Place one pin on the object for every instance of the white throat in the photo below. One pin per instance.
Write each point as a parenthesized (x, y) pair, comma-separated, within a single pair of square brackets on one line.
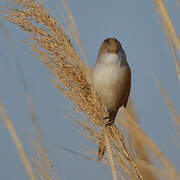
[(110, 58)]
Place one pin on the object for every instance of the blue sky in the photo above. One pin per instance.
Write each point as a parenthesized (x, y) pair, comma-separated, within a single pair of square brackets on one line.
[(136, 25)]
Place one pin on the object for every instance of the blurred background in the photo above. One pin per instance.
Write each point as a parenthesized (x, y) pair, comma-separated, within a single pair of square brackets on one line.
[(137, 27)]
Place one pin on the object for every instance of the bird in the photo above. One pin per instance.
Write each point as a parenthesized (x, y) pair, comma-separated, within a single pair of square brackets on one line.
[(111, 79)]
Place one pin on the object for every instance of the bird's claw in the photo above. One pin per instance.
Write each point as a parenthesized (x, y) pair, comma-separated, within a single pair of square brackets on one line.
[(109, 121)]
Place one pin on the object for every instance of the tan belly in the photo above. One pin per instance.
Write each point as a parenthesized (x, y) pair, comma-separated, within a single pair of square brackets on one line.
[(108, 83)]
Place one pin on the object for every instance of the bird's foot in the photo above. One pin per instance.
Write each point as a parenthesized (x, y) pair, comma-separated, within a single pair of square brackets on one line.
[(108, 121)]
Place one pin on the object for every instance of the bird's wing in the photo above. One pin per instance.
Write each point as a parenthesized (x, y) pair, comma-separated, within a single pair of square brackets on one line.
[(127, 87)]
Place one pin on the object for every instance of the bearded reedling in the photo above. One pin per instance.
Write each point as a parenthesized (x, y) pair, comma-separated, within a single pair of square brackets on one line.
[(112, 78)]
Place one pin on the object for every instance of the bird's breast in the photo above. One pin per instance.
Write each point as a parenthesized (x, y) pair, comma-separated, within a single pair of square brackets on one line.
[(108, 82)]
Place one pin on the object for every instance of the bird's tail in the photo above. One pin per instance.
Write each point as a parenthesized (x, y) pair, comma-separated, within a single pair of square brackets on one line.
[(101, 145)]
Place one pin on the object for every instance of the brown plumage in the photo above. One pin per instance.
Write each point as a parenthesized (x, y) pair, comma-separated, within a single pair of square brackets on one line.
[(112, 79), (112, 76)]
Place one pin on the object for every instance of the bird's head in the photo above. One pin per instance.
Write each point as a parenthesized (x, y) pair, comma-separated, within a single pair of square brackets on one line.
[(111, 47)]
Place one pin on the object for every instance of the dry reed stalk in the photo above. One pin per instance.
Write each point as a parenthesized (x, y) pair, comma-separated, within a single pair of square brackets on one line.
[(169, 31), (48, 39), (175, 116), (166, 21), (74, 30), (45, 160), (119, 146), (34, 120), (132, 125), (175, 58), (173, 40), (137, 146), (122, 158), (41, 162), (111, 159), (17, 142)]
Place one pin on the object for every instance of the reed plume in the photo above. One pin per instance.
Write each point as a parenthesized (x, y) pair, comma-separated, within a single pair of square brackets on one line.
[(127, 158), (57, 54)]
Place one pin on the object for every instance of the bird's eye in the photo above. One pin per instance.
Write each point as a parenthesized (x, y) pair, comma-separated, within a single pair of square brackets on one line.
[(106, 41)]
